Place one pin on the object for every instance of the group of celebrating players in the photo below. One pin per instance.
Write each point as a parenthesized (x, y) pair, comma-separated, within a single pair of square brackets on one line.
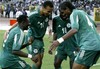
[(74, 35)]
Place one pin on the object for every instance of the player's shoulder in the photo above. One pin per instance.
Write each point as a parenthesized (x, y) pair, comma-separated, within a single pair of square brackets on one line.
[(15, 30), (56, 18), (75, 11), (33, 13)]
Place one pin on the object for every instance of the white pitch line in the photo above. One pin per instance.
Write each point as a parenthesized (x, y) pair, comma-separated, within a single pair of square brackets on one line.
[(96, 64)]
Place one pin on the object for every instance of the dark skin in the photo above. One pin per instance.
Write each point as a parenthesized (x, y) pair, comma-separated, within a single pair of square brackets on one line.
[(57, 60), (65, 13), (55, 43), (19, 52), (44, 11)]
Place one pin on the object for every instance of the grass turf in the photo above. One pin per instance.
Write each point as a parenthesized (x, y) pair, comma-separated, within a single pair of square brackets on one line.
[(48, 59)]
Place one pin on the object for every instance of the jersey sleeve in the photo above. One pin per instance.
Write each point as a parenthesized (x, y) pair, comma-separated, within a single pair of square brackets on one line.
[(54, 25), (74, 19), (18, 40)]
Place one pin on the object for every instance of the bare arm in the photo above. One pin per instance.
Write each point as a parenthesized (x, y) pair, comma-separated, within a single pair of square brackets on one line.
[(20, 53), (25, 45), (23, 54), (54, 36), (30, 41), (60, 40), (69, 34)]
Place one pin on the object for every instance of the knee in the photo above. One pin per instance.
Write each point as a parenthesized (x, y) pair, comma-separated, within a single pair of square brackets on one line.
[(39, 63), (56, 64), (79, 66)]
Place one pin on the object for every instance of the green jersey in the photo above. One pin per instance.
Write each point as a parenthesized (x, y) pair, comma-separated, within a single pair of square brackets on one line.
[(38, 24), (87, 36), (14, 41), (61, 27)]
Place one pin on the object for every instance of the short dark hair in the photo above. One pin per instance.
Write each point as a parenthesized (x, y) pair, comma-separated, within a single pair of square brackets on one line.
[(22, 18), (48, 3), (66, 4)]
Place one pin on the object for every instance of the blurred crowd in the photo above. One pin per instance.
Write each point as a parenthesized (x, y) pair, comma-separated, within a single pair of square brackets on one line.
[(27, 6)]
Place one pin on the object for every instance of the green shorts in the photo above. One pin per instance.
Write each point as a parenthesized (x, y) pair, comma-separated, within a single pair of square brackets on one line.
[(87, 57), (62, 53), (36, 47), (19, 65)]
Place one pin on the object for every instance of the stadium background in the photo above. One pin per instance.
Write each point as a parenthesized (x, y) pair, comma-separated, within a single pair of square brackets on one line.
[(48, 59)]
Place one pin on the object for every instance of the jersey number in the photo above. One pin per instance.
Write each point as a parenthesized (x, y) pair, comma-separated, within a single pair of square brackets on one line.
[(64, 30)]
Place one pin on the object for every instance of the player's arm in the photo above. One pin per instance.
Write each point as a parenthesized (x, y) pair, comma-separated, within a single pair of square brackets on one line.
[(61, 39), (16, 48), (20, 53), (69, 34), (54, 29), (54, 34), (74, 18), (30, 41), (23, 54)]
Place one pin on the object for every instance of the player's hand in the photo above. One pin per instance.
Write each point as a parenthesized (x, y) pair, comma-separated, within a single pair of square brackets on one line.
[(53, 46), (31, 40), (50, 52), (5, 34)]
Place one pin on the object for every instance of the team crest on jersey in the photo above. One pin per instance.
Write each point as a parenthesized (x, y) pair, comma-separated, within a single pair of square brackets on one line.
[(68, 25), (38, 22), (35, 50), (59, 25), (46, 20)]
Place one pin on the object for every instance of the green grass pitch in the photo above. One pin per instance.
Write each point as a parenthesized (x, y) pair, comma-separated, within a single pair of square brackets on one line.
[(48, 59)]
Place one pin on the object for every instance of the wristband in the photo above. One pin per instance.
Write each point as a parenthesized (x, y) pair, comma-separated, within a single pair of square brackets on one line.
[(60, 40), (29, 56)]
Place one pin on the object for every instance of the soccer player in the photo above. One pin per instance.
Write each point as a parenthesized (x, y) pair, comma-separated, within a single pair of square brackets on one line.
[(61, 25), (39, 22), (12, 45), (83, 27), (38, 25)]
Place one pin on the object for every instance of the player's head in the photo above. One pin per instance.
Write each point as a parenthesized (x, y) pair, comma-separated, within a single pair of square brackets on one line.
[(47, 8), (66, 8), (23, 22)]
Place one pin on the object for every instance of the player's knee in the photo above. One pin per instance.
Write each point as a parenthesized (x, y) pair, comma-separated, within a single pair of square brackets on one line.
[(78, 66), (56, 64), (39, 63)]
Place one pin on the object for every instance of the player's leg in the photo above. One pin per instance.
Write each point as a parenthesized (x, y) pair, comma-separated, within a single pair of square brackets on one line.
[(79, 66), (60, 55), (85, 59), (38, 51), (38, 61), (57, 62), (71, 63), (72, 56)]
